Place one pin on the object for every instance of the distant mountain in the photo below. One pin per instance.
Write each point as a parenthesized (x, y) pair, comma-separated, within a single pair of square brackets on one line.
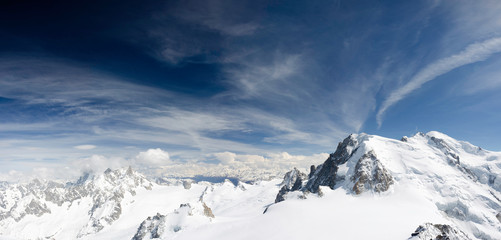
[(428, 186), (99, 199)]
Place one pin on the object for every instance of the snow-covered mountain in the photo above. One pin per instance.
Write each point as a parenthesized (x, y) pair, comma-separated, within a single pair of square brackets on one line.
[(428, 186), (461, 181)]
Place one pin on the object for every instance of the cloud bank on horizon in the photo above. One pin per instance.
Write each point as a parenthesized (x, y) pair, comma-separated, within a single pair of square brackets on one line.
[(218, 84)]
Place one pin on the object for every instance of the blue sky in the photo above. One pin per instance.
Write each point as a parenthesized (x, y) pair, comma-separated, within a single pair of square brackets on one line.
[(214, 82)]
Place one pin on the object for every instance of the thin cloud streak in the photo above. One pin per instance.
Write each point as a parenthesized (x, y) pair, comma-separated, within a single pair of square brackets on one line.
[(473, 53), (85, 147)]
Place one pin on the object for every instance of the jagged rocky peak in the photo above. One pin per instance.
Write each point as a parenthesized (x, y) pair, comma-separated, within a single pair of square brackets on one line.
[(123, 176), (36, 208), (293, 180), (370, 174), (438, 232), (326, 173), (365, 171), (105, 191)]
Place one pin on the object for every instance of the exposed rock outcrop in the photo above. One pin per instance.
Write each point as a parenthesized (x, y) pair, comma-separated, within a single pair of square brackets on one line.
[(187, 184), (429, 231), (207, 211), (370, 174), (152, 227), (165, 226)]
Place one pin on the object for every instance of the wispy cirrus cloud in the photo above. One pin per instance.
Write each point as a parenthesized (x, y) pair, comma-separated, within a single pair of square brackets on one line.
[(226, 17), (258, 76), (184, 30), (271, 62), (472, 53), (486, 78), (85, 147), (295, 78), (57, 108), (61, 82)]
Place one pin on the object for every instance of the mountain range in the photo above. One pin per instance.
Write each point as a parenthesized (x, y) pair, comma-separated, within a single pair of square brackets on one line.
[(428, 186)]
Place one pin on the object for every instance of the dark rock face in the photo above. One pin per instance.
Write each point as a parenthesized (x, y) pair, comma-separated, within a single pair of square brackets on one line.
[(326, 173), (152, 226), (323, 175), (438, 232), (370, 174), (281, 195), (498, 216), (313, 168), (293, 181)]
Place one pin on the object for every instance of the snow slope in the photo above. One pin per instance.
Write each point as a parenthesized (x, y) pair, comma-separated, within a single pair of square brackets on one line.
[(428, 185)]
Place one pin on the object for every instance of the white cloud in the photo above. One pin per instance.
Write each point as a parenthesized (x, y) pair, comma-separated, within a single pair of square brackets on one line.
[(153, 157), (273, 161), (85, 147), (473, 53), (225, 157), (157, 162)]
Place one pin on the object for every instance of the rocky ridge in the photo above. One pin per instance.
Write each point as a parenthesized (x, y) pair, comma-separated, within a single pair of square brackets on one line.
[(429, 231), (105, 192)]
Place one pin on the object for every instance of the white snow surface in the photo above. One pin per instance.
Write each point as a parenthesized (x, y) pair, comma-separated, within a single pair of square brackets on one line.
[(430, 186)]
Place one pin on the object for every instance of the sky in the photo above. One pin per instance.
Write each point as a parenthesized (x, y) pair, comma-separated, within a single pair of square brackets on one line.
[(190, 87)]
